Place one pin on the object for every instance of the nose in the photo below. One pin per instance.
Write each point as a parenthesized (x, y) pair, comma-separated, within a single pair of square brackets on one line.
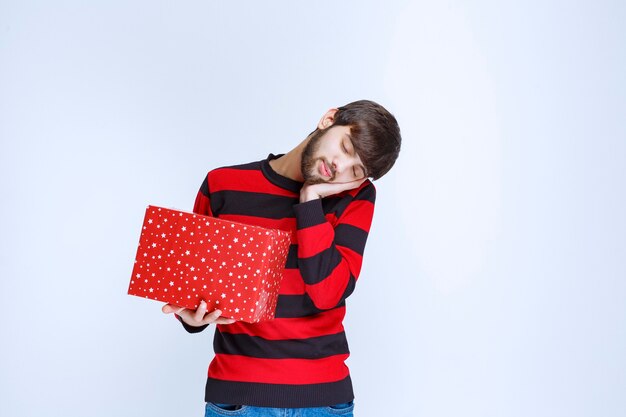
[(337, 166), (340, 164)]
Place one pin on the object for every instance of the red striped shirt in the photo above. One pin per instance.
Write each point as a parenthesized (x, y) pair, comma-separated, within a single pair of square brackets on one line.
[(297, 359)]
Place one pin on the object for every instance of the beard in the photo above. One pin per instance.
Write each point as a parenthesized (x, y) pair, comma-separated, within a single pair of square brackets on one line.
[(308, 160)]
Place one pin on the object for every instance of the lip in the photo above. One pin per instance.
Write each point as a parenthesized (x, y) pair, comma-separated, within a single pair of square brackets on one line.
[(324, 170)]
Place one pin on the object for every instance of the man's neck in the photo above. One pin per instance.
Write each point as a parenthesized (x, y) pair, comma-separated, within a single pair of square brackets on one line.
[(289, 165)]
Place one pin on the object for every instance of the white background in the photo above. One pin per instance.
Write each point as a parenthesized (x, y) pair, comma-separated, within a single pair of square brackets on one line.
[(494, 279)]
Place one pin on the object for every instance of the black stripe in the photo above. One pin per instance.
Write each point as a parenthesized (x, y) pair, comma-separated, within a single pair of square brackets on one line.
[(252, 204), (191, 329), (349, 288), (292, 257), (277, 179), (278, 395), (257, 347), (351, 237), (293, 306), (309, 214), (317, 267), (338, 207), (368, 194)]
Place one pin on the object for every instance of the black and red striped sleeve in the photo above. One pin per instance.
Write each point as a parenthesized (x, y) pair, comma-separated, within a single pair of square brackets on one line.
[(330, 256), (202, 205)]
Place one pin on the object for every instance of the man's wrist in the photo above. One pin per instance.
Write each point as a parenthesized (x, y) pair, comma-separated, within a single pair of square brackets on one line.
[(307, 195)]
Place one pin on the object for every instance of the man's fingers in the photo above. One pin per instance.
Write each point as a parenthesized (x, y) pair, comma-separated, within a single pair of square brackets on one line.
[(216, 319), (224, 320), (169, 308), (200, 311), (212, 317), (331, 188), (198, 317), (355, 183)]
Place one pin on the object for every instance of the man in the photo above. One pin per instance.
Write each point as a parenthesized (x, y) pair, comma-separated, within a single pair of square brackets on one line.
[(319, 191)]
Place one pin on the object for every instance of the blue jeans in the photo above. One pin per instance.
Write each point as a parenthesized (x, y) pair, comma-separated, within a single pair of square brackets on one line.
[(225, 410)]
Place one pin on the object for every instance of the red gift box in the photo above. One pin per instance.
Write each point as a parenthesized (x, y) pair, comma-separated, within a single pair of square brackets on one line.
[(184, 257)]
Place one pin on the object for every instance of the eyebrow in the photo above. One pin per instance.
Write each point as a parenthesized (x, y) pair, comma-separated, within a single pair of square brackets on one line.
[(363, 169)]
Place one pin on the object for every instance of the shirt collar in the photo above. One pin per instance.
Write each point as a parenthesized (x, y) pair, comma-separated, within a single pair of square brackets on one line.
[(277, 179)]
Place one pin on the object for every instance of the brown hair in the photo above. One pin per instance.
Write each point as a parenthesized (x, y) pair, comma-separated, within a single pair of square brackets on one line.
[(375, 133)]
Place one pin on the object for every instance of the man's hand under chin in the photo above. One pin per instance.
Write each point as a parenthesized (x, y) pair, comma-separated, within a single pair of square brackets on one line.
[(313, 191)]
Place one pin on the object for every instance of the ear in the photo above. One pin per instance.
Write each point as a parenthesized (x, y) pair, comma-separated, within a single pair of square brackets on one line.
[(327, 119)]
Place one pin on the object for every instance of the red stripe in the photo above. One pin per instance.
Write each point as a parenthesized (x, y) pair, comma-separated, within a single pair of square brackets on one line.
[(279, 371), (246, 181), (354, 259), (292, 283), (314, 239), (327, 322), (202, 205), (327, 293), (359, 214)]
